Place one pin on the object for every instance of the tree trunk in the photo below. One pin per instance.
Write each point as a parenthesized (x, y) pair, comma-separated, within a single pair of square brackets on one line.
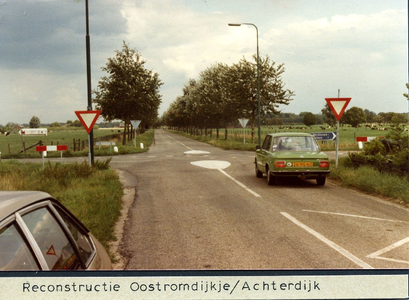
[(124, 135), (252, 130)]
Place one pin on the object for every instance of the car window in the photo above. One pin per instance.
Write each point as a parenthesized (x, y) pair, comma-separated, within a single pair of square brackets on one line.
[(54, 244), (81, 238), (295, 143), (267, 142), (15, 253)]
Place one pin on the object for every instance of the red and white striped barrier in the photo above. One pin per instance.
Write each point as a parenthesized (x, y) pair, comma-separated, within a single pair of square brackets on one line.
[(364, 139), (367, 138), (44, 149), (51, 148)]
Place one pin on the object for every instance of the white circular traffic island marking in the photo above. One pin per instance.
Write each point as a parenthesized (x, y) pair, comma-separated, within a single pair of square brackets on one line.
[(197, 152), (211, 164)]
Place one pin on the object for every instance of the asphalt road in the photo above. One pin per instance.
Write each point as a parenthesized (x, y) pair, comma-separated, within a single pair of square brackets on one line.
[(200, 207)]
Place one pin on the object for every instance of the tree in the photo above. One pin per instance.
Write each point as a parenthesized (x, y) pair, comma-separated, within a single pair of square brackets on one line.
[(77, 123), (309, 119), (34, 122), (130, 91), (241, 89), (55, 124), (354, 116), (370, 115), (329, 115)]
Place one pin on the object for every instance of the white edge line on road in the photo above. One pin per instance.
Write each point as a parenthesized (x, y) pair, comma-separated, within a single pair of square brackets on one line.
[(354, 216), (389, 248), (336, 247), (240, 184), (179, 142)]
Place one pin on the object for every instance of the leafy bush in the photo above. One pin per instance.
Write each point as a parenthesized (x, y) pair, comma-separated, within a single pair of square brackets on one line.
[(386, 155), (102, 165), (374, 147)]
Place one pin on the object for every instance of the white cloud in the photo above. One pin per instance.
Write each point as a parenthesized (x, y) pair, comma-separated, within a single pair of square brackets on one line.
[(359, 48)]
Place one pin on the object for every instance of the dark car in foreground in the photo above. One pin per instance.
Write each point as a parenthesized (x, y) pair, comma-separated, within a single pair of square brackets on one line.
[(291, 155), (39, 233)]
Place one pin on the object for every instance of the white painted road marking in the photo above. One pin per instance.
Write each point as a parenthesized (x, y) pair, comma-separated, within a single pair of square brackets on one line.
[(354, 216), (220, 165), (212, 164), (336, 247), (378, 254), (197, 152), (179, 142), (240, 184)]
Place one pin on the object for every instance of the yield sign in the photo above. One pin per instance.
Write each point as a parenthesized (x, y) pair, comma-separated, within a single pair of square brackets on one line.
[(135, 123), (243, 122), (88, 118), (338, 105)]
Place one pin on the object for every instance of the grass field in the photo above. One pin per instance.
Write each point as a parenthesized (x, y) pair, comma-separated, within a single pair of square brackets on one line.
[(11, 145), (236, 139)]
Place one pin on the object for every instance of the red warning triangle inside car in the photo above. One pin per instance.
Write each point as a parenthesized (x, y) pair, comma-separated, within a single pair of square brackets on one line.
[(51, 251)]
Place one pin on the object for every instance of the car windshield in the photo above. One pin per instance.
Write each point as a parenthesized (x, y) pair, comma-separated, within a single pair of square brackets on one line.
[(295, 143)]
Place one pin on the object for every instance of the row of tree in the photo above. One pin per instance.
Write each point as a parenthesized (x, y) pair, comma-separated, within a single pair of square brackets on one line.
[(353, 117), (225, 93)]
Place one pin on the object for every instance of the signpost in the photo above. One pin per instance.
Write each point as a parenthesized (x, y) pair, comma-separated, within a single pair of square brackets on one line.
[(325, 136), (135, 124), (243, 123), (338, 106), (88, 118)]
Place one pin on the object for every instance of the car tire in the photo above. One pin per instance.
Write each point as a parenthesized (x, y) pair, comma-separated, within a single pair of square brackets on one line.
[(270, 178), (321, 180), (259, 174)]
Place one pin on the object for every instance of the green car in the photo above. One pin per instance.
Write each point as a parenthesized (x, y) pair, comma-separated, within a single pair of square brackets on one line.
[(291, 154)]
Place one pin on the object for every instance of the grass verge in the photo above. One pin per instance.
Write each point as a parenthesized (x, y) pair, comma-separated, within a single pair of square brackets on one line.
[(372, 181), (93, 194)]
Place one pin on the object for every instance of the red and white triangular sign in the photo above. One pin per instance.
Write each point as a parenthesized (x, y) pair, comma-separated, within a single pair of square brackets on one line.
[(51, 251), (88, 118), (338, 105)]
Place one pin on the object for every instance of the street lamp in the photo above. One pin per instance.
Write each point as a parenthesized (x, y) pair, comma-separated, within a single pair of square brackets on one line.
[(258, 80), (89, 92)]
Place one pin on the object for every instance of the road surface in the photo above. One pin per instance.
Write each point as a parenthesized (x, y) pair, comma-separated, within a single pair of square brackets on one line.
[(200, 207)]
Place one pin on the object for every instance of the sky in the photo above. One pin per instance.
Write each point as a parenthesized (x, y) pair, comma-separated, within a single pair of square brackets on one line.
[(356, 47)]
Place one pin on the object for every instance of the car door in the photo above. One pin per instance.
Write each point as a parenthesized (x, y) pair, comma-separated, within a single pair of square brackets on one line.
[(45, 236), (263, 153)]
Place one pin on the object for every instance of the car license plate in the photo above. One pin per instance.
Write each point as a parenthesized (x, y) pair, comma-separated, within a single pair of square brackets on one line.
[(303, 164)]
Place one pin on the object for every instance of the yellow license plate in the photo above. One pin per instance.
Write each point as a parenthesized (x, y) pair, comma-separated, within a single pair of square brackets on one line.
[(303, 164)]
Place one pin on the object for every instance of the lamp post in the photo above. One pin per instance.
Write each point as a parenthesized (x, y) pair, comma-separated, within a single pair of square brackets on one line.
[(258, 80), (89, 93)]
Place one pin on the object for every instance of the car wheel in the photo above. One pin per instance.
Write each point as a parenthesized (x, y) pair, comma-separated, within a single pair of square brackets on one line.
[(259, 174), (321, 180), (270, 178)]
